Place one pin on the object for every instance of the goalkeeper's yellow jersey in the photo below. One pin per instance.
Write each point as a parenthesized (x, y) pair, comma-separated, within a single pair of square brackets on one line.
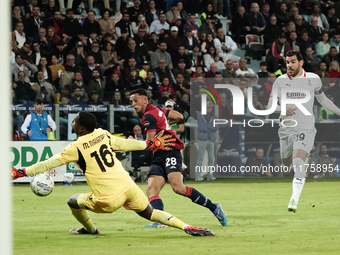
[(94, 154)]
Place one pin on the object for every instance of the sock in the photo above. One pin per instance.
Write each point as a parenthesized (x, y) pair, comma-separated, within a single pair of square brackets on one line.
[(166, 219), (299, 178), (83, 217), (199, 198), (156, 202)]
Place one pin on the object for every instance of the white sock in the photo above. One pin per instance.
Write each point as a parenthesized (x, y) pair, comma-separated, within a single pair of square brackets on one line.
[(299, 178), (93, 230), (184, 227)]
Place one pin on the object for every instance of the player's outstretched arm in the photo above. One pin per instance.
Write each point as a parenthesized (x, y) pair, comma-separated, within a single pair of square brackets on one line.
[(328, 104), (174, 117), (40, 167)]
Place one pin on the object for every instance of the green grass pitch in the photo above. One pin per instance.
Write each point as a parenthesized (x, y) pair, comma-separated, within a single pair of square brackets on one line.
[(259, 222)]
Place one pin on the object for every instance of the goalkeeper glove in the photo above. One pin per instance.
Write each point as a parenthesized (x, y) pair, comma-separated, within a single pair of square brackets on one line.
[(17, 173), (161, 141)]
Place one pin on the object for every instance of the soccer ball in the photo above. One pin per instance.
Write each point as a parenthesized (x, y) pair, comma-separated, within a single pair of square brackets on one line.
[(69, 177), (42, 185)]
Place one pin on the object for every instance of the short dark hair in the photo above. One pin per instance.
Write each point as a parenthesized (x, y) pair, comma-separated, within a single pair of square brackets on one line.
[(69, 10), (38, 101), (141, 92), (294, 53), (87, 120), (150, 71), (263, 63)]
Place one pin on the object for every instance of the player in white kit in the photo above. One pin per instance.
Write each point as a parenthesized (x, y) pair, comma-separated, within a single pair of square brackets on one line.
[(296, 142)]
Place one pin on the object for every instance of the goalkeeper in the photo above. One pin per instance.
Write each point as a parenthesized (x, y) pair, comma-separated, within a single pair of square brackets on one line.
[(111, 185)]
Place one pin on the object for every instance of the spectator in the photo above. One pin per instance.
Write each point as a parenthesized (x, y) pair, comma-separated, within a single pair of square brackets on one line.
[(91, 25), (42, 66), (173, 41), (206, 44), (311, 63), (181, 68), (122, 43), (330, 56), (159, 54), (212, 72), (181, 87), (16, 16), (153, 43), (208, 11), (196, 60), (172, 14), (43, 89), (139, 157), (267, 14), (276, 55), (305, 42), (96, 54), (25, 92), (124, 24), (272, 32), (240, 25), (206, 138), (283, 17), (183, 13), (315, 31), (97, 83), (160, 26), (108, 54), (322, 20), (245, 73), (70, 65), (56, 68), (145, 68), (192, 26), (142, 44), (256, 20), (78, 97), (19, 34), (263, 73), (106, 24), (331, 19), (34, 22), (189, 41), (225, 46), (208, 27), (133, 53), (177, 127), (165, 85), (335, 41), (322, 72), (78, 83), (140, 24), (41, 39), (49, 9), (135, 11), (37, 54), (152, 13), (87, 70), (52, 37), (24, 66), (300, 25), (184, 104), (323, 47), (229, 74), (114, 84), (26, 52), (255, 165), (57, 23), (80, 54), (334, 70), (151, 84), (325, 160), (292, 40), (225, 111), (71, 25), (64, 93), (38, 124), (134, 81)]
